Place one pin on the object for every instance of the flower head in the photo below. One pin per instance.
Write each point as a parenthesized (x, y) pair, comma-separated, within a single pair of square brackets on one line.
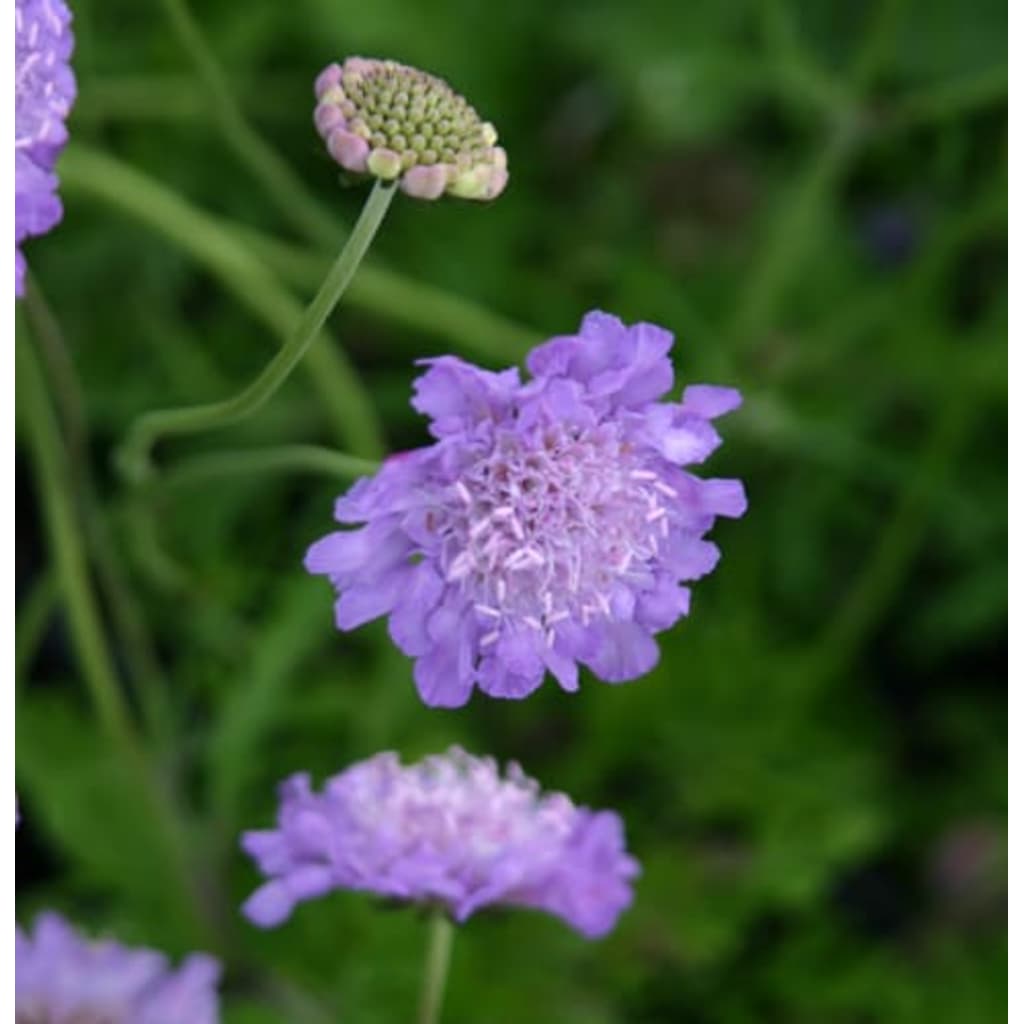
[(63, 978), (551, 523), (382, 118), (449, 830), (44, 89)]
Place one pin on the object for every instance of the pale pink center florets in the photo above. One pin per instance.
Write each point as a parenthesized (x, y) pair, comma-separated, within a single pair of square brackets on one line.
[(544, 529), (454, 805)]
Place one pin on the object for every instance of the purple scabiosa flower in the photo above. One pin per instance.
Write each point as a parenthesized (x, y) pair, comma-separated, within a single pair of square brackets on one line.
[(552, 523), (62, 978), (44, 89), (450, 830), (391, 121)]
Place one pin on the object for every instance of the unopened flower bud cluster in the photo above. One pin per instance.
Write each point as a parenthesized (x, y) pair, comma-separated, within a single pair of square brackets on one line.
[(394, 122)]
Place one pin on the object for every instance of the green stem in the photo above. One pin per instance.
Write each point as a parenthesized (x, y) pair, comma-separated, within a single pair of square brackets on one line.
[(288, 458), (958, 97), (130, 626), (240, 271), (134, 455), (435, 968), (53, 481), (280, 183), (905, 532), (886, 19), (791, 235), (33, 619), (792, 60), (423, 308)]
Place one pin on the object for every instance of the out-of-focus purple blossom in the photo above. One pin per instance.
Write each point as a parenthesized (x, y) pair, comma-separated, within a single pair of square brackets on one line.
[(450, 830), (891, 234), (394, 122), (44, 89), (63, 978), (552, 523)]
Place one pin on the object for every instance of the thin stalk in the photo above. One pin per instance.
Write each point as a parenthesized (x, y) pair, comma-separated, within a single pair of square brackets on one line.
[(89, 642), (279, 181), (886, 20), (289, 458), (136, 641), (435, 967), (53, 481), (342, 395), (787, 243), (134, 455), (947, 101), (796, 63), (898, 544), (425, 308), (35, 615), (794, 229), (253, 265)]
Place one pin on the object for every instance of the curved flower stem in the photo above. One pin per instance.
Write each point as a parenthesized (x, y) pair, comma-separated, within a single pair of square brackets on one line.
[(885, 566), (287, 458), (435, 969), (134, 455), (280, 182), (32, 621), (241, 272), (69, 559), (401, 300), (129, 626), (53, 480)]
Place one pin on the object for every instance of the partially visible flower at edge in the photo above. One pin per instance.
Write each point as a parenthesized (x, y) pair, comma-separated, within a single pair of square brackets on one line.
[(449, 830), (391, 121), (44, 92), (552, 523), (61, 976)]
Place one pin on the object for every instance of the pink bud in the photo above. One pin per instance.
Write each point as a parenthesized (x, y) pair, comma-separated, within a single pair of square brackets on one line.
[(330, 76), (327, 117), (348, 149), (425, 182)]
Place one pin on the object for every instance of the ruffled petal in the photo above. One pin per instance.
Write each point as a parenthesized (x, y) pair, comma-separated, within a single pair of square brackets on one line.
[(358, 605), (709, 401), (438, 679), (663, 606), (269, 905), (625, 651), (415, 605), (723, 497), (516, 668), (681, 438), (456, 395)]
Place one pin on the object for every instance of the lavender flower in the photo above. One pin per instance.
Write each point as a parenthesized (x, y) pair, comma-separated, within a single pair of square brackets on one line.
[(449, 830), (44, 89), (62, 978), (550, 524), (382, 118)]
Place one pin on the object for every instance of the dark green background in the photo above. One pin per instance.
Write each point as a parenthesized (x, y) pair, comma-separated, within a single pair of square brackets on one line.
[(812, 197)]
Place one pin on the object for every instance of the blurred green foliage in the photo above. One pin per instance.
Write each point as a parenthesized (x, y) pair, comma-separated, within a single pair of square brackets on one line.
[(813, 197)]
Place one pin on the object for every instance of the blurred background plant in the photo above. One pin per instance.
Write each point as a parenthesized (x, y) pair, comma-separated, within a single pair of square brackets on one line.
[(813, 197)]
